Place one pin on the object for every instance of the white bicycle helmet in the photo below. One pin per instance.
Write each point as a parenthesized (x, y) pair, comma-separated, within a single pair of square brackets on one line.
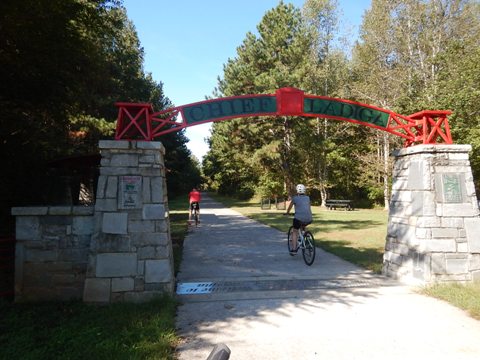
[(301, 189)]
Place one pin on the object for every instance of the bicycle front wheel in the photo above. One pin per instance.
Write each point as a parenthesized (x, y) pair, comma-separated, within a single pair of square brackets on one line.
[(289, 239), (308, 251)]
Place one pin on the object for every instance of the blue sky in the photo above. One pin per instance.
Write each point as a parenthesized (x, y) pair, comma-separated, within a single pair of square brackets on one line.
[(186, 43)]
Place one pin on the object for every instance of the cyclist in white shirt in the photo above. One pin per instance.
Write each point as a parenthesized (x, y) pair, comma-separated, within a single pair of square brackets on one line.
[(303, 213)]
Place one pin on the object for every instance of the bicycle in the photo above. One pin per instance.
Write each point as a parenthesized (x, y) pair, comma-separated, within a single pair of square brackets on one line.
[(194, 213), (196, 217), (305, 242)]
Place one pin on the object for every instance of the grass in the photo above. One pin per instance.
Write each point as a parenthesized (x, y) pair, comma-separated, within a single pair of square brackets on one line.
[(178, 227), (466, 297), (74, 330)]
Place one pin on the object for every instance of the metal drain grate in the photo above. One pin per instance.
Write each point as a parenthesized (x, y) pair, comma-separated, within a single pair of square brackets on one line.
[(190, 288)]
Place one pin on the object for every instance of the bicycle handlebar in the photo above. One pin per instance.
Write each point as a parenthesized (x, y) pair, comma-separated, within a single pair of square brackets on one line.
[(220, 352)]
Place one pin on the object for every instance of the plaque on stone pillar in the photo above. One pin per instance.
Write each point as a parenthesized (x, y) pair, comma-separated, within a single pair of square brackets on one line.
[(130, 193), (451, 189)]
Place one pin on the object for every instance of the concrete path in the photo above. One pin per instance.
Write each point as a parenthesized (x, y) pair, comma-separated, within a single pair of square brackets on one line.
[(239, 286)]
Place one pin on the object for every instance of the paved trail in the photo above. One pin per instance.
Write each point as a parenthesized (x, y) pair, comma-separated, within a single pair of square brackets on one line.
[(239, 286)]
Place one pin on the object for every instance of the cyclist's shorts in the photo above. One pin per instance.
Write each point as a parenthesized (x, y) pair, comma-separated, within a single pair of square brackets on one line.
[(195, 205), (297, 224)]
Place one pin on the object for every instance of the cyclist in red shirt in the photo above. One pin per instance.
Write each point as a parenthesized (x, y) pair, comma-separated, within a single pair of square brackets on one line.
[(194, 199)]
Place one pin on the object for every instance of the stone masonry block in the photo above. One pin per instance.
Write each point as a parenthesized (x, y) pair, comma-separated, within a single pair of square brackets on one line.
[(423, 233), (114, 144), (154, 212), (114, 243), (476, 276), (146, 252), (141, 268), (106, 205), (97, 290), (124, 160), (118, 171), (105, 162), (458, 156), (444, 245), (474, 262), (27, 228), (158, 271), (452, 210), (149, 159), (162, 252), (40, 256), (147, 226), (419, 177), (472, 227), (457, 266), (401, 231), (77, 256), (428, 222), (451, 222), (153, 145), (31, 210), (162, 226), (112, 187), (470, 188), (122, 284), (116, 265), (115, 223), (417, 203), (83, 225), (101, 185), (438, 263), (154, 239), (399, 184), (60, 210), (403, 196), (150, 170), (146, 191), (462, 247), (157, 189), (83, 210), (444, 233)]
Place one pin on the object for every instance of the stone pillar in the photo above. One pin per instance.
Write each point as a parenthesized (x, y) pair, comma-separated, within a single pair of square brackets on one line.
[(434, 225), (131, 251)]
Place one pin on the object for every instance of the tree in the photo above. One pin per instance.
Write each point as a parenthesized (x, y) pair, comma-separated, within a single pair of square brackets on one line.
[(381, 78), (274, 60), (327, 76), (63, 64), (406, 56)]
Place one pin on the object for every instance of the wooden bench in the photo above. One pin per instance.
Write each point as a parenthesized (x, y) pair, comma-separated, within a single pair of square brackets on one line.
[(334, 204)]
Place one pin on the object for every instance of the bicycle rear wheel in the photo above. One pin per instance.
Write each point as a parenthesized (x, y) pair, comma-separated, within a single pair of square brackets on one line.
[(308, 251), (196, 217), (289, 238)]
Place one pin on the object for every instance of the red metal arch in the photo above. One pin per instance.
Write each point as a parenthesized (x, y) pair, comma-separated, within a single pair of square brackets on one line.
[(140, 121)]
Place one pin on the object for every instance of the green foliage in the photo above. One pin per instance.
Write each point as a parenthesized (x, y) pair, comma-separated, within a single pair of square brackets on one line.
[(63, 65), (273, 154)]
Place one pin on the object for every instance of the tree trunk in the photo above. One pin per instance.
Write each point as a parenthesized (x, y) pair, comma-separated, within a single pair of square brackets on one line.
[(287, 183), (386, 186)]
